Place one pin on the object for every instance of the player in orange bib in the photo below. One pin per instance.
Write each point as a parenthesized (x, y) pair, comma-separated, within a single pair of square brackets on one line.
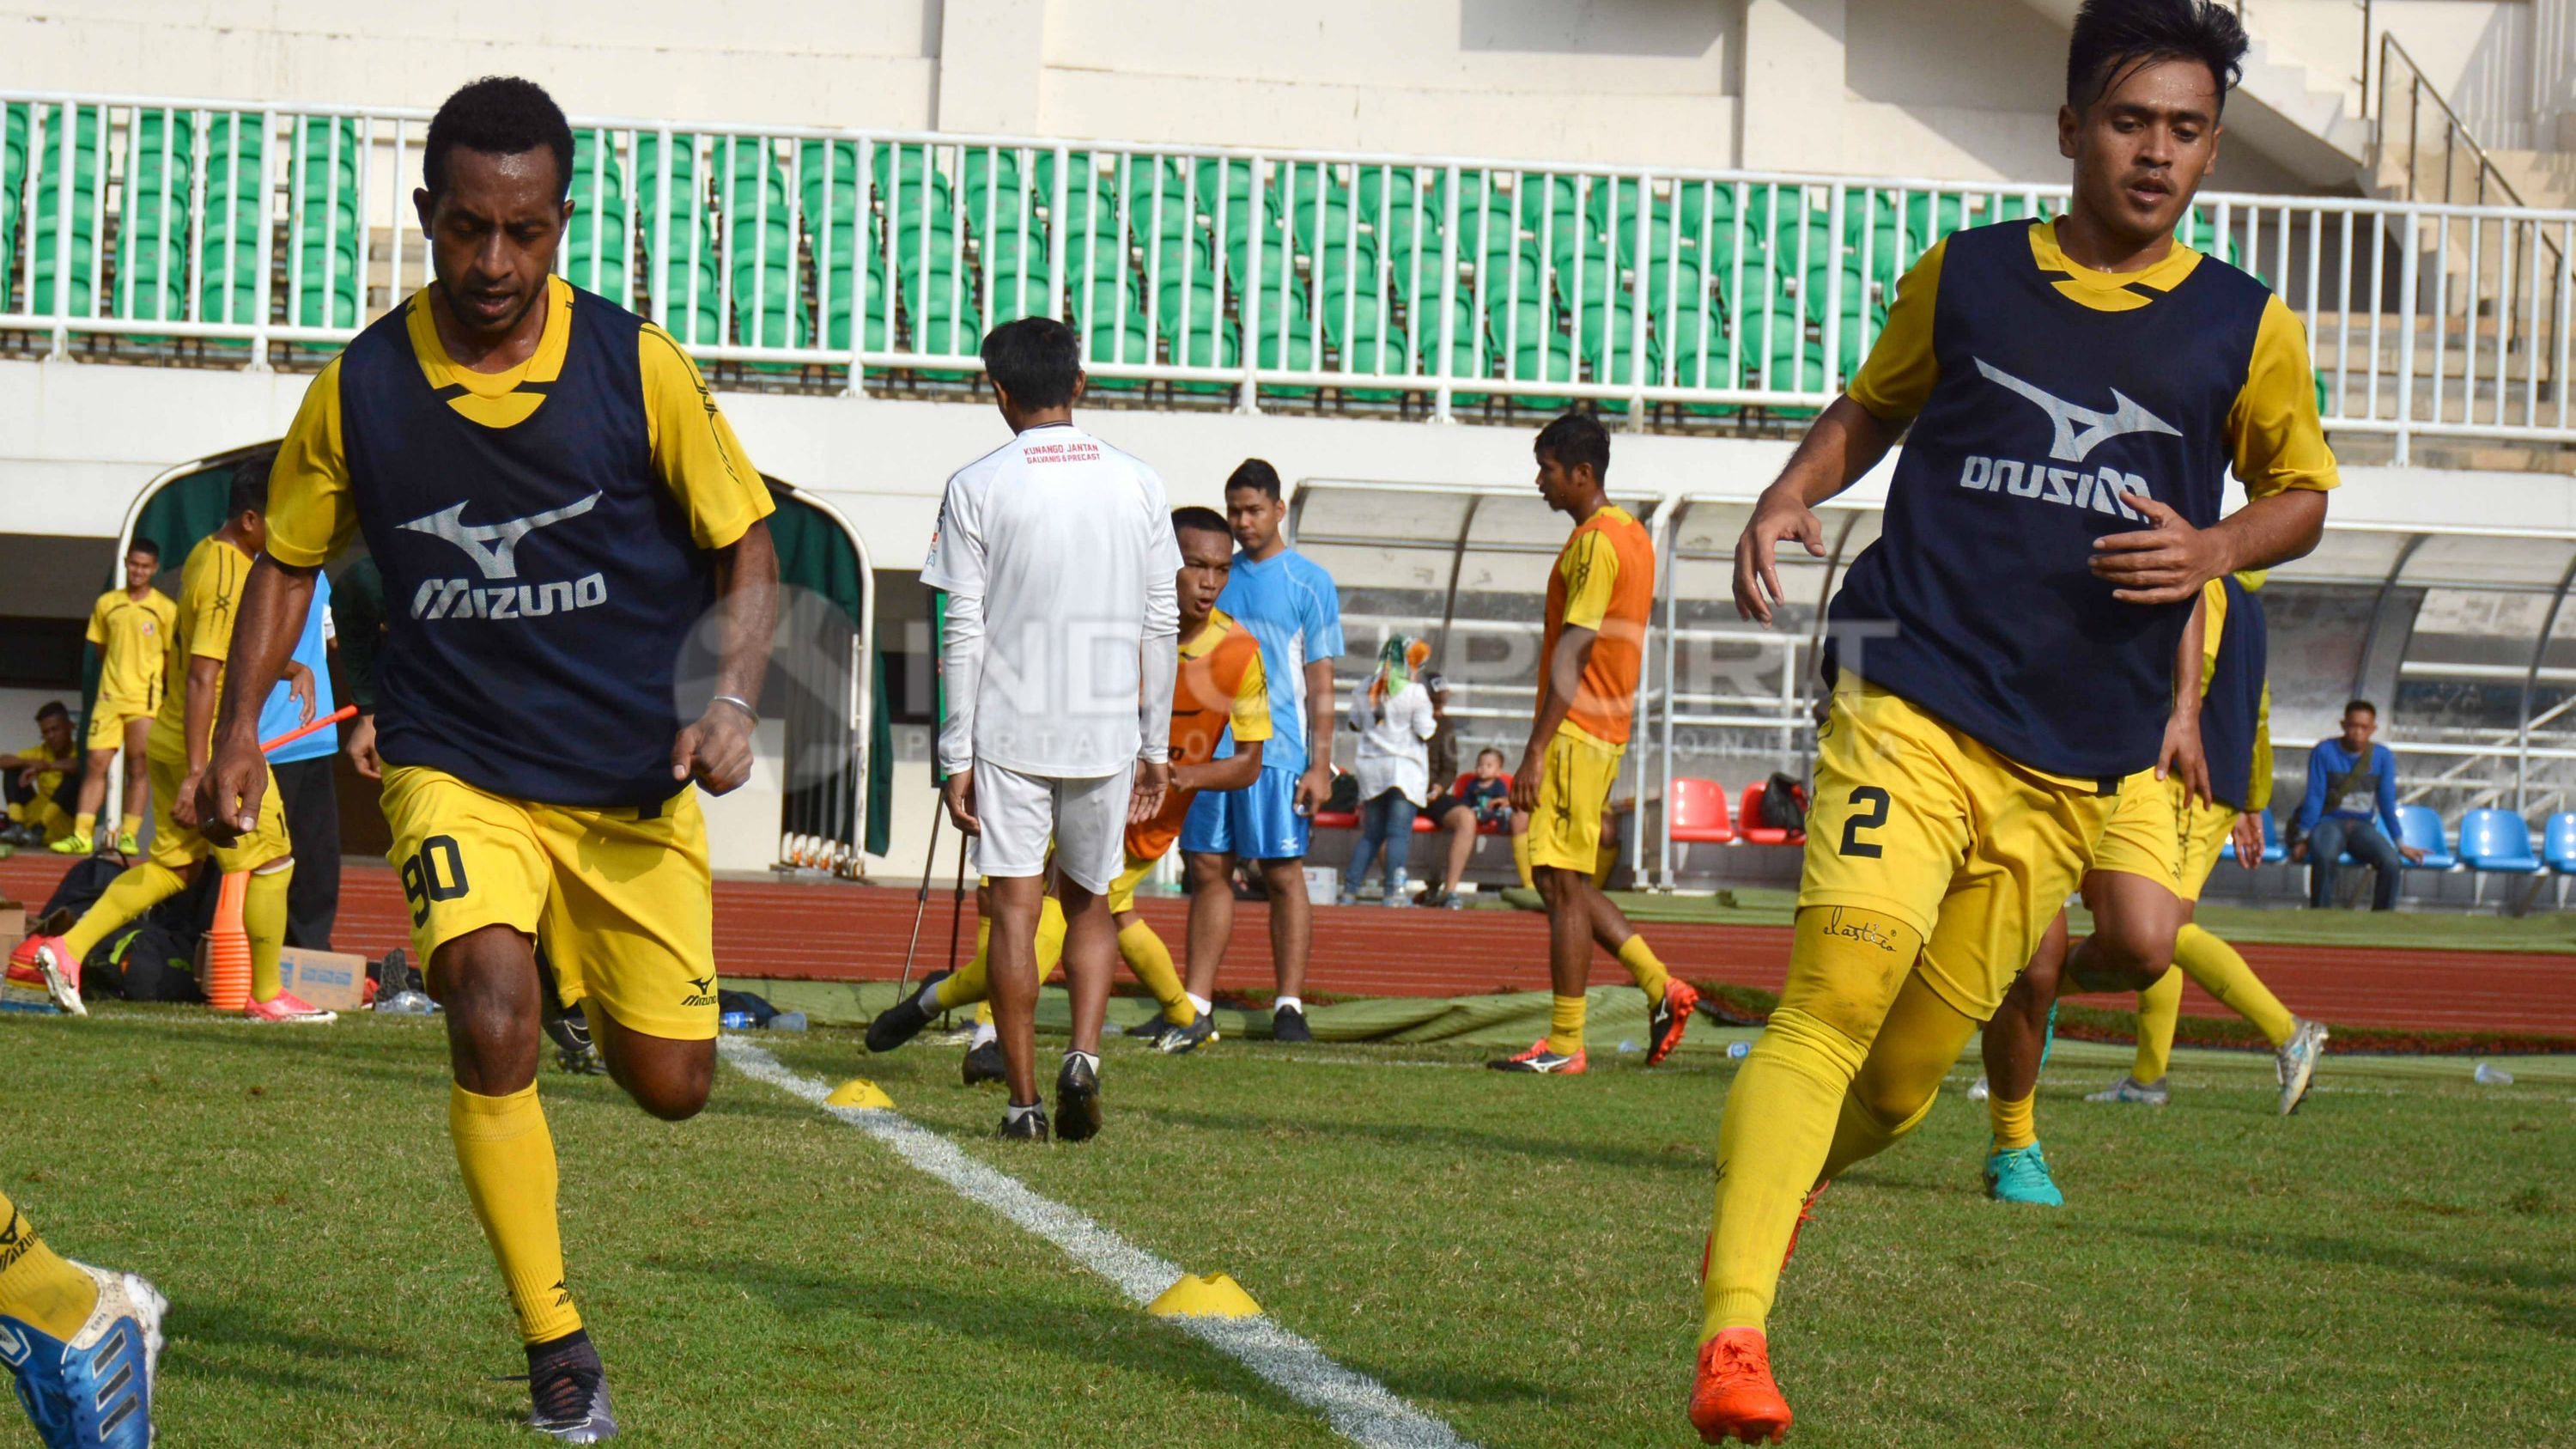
[(1220, 688), (1598, 599)]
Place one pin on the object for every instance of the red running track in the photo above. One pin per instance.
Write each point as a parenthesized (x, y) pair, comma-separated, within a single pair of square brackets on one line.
[(845, 932)]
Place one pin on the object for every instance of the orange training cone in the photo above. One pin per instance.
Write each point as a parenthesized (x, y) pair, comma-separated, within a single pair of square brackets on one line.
[(227, 982)]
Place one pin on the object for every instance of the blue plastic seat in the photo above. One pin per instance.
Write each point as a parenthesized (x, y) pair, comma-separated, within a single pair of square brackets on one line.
[(2418, 826), (2497, 842), (2558, 842)]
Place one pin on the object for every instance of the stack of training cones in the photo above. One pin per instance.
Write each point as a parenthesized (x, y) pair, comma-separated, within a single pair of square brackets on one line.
[(227, 983)]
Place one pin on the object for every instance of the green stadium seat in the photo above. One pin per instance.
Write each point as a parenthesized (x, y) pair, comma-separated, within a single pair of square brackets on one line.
[(940, 314), (838, 301), (1214, 344), (230, 219), (1473, 190), (1226, 180), (1934, 215), (760, 245), (14, 120), (325, 227), (594, 255), (1543, 359), (989, 170), (152, 242), (66, 187), (1081, 173), (1011, 299), (1198, 297), (1385, 191), (676, 232), (1015, 253)]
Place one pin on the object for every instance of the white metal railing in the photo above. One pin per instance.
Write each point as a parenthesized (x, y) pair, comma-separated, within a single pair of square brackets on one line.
[(153, 228)]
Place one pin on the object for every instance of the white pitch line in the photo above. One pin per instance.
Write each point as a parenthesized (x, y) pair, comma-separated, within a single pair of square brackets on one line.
[(1358, 1407)]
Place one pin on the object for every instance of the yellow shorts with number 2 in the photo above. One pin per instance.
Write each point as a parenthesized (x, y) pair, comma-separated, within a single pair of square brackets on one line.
[(1977, 853), (621, 899)]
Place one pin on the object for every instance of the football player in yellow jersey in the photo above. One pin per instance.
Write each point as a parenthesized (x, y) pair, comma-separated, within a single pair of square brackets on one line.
[(130, 628), (1599, 597), (177, 749), (555, 503), (37, 774), (1220, 690), (2073, 396)]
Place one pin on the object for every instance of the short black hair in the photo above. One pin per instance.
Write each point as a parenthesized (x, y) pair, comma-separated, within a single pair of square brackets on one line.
[(1256, 474), (1573, 439), (143, 545), (2365, 706), (249, 492), (51, 708), (499, 115), (1205, 520), (1036, 360), (1499, 756), (2112, 36)]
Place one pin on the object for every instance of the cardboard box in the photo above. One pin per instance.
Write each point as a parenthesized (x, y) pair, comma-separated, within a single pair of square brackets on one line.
[(13, 924), (330, 980)]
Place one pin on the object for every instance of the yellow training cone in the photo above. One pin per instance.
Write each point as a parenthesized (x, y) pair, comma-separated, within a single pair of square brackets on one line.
[(1214, 1296), (860, 1092)]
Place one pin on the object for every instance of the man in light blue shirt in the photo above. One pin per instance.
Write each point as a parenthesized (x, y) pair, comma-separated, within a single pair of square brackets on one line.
[(304, 776), (1290, 605), (2351, 780)]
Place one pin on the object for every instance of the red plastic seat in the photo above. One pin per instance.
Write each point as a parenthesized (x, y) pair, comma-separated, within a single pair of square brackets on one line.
[(1758, 834), (1699, 815)]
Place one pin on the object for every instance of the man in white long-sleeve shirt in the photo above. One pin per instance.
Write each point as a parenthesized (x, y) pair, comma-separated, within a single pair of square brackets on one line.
[(1056, 553)]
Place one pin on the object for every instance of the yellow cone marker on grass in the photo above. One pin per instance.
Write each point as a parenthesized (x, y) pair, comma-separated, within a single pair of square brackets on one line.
[(860, 1092), (1214, 1296)]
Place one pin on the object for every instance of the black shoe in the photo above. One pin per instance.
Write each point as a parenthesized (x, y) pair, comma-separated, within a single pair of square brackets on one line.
[(575, 1052), (1289, 1026), (1077, 1100), (984, 1064), (568, 1391), (1148, 1029), (1173, 1041), (1030, 1126), (904, 1020)]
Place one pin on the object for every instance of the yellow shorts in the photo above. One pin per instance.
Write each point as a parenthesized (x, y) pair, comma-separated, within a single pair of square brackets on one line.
[(1122, 891), (107, 724), (1915, 819), (621, 899), (177, 847), (1573, 796), (2162, 833)]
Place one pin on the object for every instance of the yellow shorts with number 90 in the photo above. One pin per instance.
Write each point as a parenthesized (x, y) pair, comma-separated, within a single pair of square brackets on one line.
[(1977, 853), (620, 898)]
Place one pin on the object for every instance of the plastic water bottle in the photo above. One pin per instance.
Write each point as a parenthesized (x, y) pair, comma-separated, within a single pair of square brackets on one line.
[(1737, 1050), (787, 1021), (736, 1021), (2488, 1076), (407, 1003), (1628, 1048)]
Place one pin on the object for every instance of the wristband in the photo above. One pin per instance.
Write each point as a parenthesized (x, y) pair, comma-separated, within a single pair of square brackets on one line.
[(738, 703)]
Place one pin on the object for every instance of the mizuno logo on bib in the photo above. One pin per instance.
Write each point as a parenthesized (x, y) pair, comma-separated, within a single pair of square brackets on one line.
[(2076, 431), (494, 548)]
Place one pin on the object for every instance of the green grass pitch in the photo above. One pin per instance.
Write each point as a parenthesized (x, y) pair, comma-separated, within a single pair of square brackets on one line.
[(1516, 1256)]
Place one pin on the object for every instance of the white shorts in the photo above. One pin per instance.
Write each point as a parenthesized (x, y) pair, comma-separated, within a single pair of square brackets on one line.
[(1086, 817)]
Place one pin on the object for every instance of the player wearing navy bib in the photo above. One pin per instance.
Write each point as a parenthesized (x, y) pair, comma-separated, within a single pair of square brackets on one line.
[(554, 503), (2072, 396)]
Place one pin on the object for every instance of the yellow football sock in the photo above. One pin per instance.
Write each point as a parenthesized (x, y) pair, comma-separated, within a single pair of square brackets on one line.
[(508, 1158), (83, 824), (2224, 975), (1050, 944), (1643, 968), (1521, 861), (264, 922), (1565, 1024), (966, 983), (2012, 1122), (1151, 961), (135, 890), (1917, 1045), (39, 1287), (128, 824), (2159, 1007), (1780, 1114)]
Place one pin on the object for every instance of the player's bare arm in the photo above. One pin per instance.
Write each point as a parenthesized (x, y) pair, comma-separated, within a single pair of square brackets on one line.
[(224, 791), (2182, 747), (1846, 442), (1565, 676), (716, 749), (2168, 563), (1234, 772), (1316, 785)]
